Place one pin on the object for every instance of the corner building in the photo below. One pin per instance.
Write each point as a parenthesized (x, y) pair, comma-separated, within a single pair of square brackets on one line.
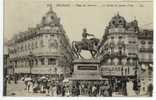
[(48, 46), (121, 52), (119, 47)]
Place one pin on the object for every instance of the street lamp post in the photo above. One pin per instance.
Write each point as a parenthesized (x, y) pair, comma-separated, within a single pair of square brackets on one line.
[(55, 70), (110, 81), (136, 74), (30, 62), (6, 56), (122, 84)]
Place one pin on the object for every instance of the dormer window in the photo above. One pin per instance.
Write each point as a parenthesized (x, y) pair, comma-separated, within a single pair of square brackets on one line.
[(113, 22), (112, 37), (52, 17), (150, 42), (120, 37), (120, 21)]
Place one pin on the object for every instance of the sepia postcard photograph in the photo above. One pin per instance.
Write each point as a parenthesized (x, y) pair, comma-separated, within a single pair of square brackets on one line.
[(78, 48)]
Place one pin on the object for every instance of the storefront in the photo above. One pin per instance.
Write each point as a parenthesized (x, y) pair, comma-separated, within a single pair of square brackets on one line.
[(118, 76)]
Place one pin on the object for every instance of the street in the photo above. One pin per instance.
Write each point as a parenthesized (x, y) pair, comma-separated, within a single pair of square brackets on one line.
[(18, 90)]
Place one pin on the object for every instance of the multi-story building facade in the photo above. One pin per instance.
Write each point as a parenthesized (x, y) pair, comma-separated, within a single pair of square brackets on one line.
[(46, 47), (119, 46), (145, 40), (121, 50)]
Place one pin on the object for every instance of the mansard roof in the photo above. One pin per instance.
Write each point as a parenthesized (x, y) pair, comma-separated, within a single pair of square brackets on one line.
[(48, 22), (117, 20), (120, 22)]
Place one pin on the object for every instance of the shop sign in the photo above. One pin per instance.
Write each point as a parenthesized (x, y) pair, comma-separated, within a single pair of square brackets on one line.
[(111, 70)]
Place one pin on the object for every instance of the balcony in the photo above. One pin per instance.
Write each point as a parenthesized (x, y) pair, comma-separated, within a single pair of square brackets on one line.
[(146, 50), (117, 30)]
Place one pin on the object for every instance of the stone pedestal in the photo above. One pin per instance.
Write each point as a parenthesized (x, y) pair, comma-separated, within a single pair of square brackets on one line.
[(86, 69)]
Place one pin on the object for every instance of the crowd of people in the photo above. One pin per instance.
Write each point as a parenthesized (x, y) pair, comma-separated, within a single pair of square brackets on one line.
[(91, 88), (39, 84), (66, 87), (55, 87)]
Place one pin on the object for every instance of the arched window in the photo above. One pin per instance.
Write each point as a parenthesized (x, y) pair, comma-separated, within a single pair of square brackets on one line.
[(32, 45), (36, 45), (52, 17), (51, 61), (25, 46), (41, 43), (120, 37), (150, 42), (112, 37), (120, 50)]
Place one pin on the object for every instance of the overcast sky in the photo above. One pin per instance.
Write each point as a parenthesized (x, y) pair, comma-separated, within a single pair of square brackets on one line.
[(21, 14)]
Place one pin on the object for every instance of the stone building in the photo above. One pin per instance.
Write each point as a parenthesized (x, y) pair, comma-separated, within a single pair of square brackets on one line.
[(44, 49), (6, 65), (118, 48), (145, 40), (124, 48)]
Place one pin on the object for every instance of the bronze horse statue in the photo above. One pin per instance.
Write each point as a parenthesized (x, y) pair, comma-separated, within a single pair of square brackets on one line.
[(90, 45)]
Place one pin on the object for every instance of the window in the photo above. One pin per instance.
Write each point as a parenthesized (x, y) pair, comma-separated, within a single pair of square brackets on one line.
[(36, 61), (32, 45), (36, 45), (113, 22), (41, 43), (25, 47), (150, 42), (22, 48), (112, 37), (120, 37), (52, 35), (120, 21), (120, 52), (18, 48), (134, 42), (29, 46), (51, 61), (42, 61), (128, 70), (52, 17)]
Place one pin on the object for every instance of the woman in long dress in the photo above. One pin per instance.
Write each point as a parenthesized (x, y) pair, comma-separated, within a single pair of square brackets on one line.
[(54, 89), (31, 87)]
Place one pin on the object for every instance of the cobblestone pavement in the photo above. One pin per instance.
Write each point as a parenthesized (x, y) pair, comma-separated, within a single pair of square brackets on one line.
[(18, 90)]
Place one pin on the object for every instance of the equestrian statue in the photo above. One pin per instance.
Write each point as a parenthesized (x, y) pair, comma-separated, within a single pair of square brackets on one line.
[(85, 44)]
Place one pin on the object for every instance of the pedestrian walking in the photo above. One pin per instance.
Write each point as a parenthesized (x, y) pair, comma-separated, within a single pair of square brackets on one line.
[(54, 89), (31, 87), (28, 85), (63, 90), (94, 90)]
